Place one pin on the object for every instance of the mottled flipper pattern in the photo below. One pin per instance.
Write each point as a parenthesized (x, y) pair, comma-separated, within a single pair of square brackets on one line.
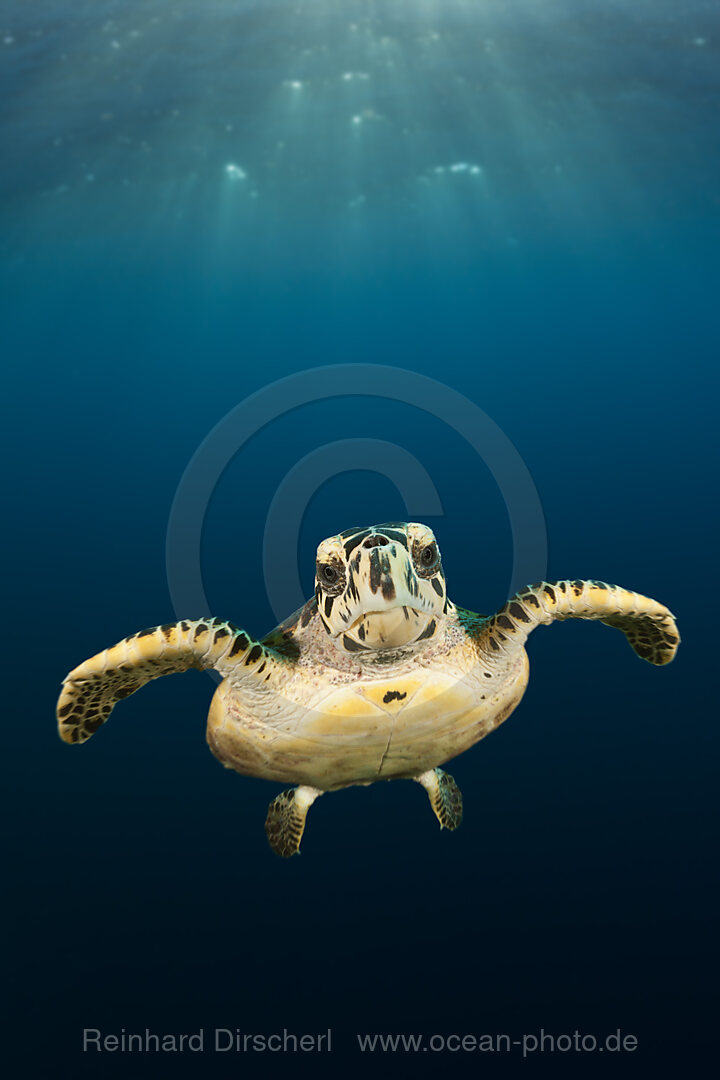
[(91, 691), (285, 822), (649, 626), (445, 797)]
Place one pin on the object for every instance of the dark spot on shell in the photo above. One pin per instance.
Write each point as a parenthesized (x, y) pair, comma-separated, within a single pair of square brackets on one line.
[(394, 695)]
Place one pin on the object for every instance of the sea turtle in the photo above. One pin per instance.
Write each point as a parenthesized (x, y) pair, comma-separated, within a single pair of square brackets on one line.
[(379, 676)]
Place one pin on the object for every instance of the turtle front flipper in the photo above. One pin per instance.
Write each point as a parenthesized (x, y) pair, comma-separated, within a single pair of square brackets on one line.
[(649, 626), (445, 797), (91, 690), (285, 822)]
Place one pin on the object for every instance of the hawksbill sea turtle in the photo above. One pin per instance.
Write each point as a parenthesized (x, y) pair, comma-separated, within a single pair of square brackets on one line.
[(378, 677)]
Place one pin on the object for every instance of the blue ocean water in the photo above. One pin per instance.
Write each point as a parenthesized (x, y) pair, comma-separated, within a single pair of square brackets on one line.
[(519, 200)]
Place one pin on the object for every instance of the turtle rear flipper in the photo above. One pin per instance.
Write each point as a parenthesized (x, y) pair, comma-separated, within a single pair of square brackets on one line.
[(445, 797), (285, 822), (91, 691)]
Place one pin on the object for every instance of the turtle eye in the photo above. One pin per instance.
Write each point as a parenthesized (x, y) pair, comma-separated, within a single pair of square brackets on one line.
[(426, 558), (329, 574), (428, 555)]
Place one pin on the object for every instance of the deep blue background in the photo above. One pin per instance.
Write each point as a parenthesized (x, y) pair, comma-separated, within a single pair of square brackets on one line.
[(144, 293)]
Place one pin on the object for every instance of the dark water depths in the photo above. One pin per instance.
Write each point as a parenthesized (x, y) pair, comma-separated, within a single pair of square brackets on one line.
[(518, 200)]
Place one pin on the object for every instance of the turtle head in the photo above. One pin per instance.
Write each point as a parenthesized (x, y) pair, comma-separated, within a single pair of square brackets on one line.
[(381, 587)]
